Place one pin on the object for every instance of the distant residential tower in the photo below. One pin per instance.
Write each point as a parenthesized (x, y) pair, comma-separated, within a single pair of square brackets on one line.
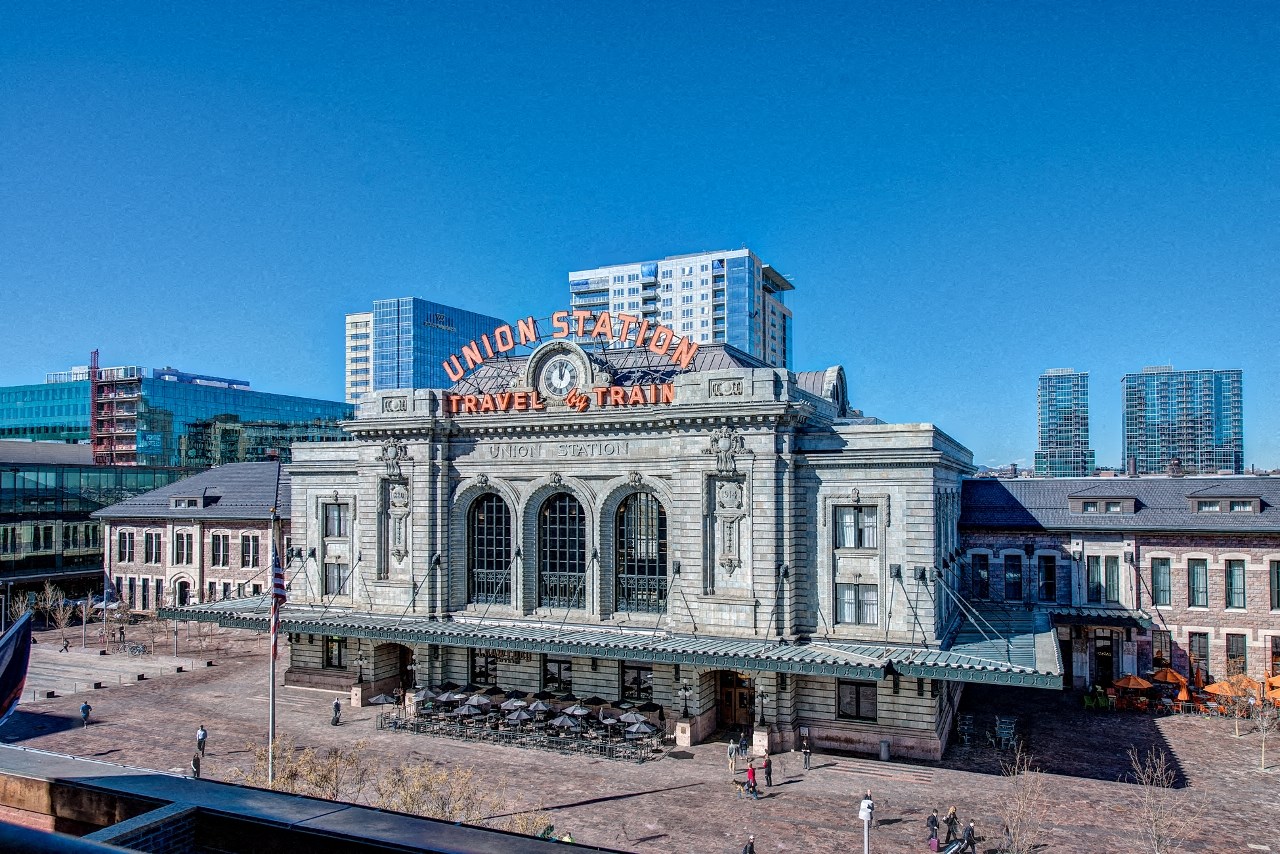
[(1194, 417), (1062, 404)]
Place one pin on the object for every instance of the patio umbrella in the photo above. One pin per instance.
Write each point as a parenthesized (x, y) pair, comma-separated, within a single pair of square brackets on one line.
[(544, 695), (449, 686), (1199, 678), (649, 706), (567, 698), (1135, 683), (1168, 674), (540, 706), (1274, 681), (451, 697), (1273, 694), (1225, 689), (382, 700), (494, 691), (1184, 695), (643, 727), (577, 711), (623, 704), (480, 700), (424, 694), (512, 705), (516, 695), (633, 718), (466, 711), (519, 716), (614, 721), (595, 701), (469, 688), (565, 722)]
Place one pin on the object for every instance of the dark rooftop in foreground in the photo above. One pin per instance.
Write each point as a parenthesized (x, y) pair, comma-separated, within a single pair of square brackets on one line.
[(232, 491)]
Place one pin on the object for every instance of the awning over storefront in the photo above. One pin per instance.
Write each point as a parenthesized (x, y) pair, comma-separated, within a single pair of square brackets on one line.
[(816, 658), (1022, 641), (1123, 618)]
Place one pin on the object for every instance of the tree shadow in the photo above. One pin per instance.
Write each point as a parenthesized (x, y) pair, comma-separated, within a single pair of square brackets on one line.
[(23, 724)]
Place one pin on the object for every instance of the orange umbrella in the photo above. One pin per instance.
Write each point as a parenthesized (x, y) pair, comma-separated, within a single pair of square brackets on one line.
[(1274, 681), (1184, 696), (1199, 678), (1136, 683), (1168, 674), (1273, 694)]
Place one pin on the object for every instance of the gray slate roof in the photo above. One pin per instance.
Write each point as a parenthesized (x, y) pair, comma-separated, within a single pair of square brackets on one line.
[(232, 491), (49, 453), (1162, 504)]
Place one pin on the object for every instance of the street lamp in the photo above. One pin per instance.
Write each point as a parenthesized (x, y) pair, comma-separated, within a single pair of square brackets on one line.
[(360, 663), (763, 697), (413, 669), (685, 693)]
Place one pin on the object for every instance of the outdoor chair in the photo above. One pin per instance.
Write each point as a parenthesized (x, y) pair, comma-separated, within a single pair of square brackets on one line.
[(1089, 705)]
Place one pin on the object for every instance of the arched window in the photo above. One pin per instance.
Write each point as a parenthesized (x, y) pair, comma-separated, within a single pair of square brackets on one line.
[(640, 559), (489, 551), (562, 553)]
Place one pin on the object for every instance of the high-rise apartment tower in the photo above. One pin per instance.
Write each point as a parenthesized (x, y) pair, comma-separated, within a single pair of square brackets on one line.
[(1195, 417), (727, 297), (1062, 405)]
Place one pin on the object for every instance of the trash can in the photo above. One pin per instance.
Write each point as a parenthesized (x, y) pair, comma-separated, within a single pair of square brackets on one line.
[(884, 749)]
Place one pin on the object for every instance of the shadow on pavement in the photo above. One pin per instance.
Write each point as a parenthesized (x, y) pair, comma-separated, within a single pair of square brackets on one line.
[(23, 725)]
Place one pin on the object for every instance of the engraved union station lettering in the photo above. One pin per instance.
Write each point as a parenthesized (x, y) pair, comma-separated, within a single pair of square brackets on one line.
[(593, 449), (515, 452)]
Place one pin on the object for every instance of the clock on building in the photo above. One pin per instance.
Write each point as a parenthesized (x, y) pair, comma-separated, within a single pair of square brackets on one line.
[(560, 376)]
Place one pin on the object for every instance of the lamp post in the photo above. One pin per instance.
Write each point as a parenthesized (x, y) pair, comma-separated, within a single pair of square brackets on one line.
[(763, 697), (685, 693), (360, 663), (413, 669)]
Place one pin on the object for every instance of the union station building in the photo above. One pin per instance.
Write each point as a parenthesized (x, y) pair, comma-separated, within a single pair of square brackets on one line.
[(658, 521)]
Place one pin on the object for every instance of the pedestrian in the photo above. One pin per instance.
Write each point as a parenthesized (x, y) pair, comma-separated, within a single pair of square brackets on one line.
[(85, 709), (952, 821), (932, 823), (969, 840), (768, 772), (742, 743), (195, 766), (750, 847), (733, 754), (751, 779), (122, 634), (66, 645), (202, 735), (337, 710), (805, 752)]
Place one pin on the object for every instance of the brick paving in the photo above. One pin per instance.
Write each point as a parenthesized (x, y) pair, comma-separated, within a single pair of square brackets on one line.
[(684, 802)]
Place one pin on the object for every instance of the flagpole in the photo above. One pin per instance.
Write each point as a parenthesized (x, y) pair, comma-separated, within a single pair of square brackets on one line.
[(271, 694)]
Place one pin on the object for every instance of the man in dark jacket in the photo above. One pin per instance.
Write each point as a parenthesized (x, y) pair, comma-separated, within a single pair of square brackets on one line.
[(932, 823), (337, 711), (970, 842), (750, 847)]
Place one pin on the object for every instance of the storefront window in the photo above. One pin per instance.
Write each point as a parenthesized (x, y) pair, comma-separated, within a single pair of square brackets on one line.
[(856, 701), (1161, 649), (562, 553), (640, 559), (484, 667), (1198, 651), (489, 551), (335, 652), (1237, 655), (637, 682), (557, 675)]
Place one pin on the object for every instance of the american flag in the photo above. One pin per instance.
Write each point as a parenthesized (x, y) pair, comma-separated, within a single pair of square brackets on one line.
[(278, 597)]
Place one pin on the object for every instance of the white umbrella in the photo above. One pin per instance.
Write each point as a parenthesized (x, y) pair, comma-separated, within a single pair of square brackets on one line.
[(577, 711), (540, 706), (512, 705)]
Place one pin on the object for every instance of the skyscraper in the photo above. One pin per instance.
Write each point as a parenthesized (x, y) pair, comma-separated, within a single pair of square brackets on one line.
[(1062, 404), (1192, 416), (725, 297), (403, 341)]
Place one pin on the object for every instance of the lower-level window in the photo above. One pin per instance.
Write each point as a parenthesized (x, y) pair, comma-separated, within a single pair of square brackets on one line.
[(484, 667), (335, 652), (1161, 649), (1198, 651), (637, 682), (1237, 655), (557, 675), (1275, 654), (337, 579), (856, 701), (980, 576)]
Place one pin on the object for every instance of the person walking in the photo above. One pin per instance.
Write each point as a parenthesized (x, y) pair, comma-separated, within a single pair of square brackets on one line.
[(805, 752), (969, 839), (750, 847), (768, 772), (742, 743), (66, 645), (195, 766), (733, 754), (751, 779), (337, 711), (932, 823), (85, 709), (952, 821), (202, 735)]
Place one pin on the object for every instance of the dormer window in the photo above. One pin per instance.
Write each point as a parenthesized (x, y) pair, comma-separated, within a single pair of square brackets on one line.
[(1208, 506), (1089, 507), (1242, 506), (1114, 507), (186, 503)]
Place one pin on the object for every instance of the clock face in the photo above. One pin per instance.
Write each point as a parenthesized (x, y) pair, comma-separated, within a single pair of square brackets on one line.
[(560, 376)]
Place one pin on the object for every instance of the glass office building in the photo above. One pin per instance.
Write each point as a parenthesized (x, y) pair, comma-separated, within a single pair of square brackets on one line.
[(412, 337), (1195, 417), (143, 414), (1062, 406)]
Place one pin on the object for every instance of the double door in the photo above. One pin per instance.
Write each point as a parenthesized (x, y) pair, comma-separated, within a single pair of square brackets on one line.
[(737, 700)]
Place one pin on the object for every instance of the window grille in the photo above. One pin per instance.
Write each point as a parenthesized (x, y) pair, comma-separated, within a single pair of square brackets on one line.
[(562, 553), (489, 551), (641, 557)]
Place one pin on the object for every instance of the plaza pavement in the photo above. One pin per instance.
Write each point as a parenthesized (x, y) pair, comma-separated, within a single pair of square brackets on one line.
[(684, 802)]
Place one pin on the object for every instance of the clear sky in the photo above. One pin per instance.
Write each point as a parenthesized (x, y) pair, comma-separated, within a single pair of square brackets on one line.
[(964, 193)]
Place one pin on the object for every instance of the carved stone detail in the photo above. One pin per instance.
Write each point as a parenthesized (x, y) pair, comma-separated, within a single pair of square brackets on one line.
[(392, 454), (556, 479), (726, 444), (635, 479), (398, 515)]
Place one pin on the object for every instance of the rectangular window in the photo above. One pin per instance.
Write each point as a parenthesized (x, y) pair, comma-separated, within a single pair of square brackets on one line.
[(1161, 649), (557, 675), (1161, 588), (249, 552), (159, 588), (335, 652), (151, 547), (1241, 506), (124, 554), (220, 550), (1089, 507), (1048, 578), (133, 592), (1275, 655), (1275, 585), (337, 579), (1112, 566), (1113, 507), (980, 569), (858, 604), (1198, 651), (212, 592), (637, 682), (336, 520), (1013, 578), (1208, 507), (146, 593), (856, 527), (226, 590), (1237, 655), (1235, 584), (856, 701), (484, 667), (1197, 583), (182, 548)]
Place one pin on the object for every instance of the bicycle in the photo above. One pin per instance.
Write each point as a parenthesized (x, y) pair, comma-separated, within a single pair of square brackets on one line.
[(137, 649)]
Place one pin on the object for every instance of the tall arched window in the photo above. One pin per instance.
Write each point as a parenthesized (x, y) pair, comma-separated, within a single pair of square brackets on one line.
[(489, 551), (562, 553), (640, 559)]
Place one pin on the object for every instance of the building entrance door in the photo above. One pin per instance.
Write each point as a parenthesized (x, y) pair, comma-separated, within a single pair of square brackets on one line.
[(1103, 660), (737, 707), (1068, 660), (184, 592)]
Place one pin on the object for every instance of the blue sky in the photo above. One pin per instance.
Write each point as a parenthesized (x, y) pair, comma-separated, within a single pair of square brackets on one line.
[(964, 194)]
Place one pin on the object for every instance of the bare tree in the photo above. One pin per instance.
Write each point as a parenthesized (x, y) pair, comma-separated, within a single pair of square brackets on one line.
[(1237, 701), (1267, 716), (1025, 804), (47, 599), (156, 629), (17, 606), (61, 615), (1165, 817)]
